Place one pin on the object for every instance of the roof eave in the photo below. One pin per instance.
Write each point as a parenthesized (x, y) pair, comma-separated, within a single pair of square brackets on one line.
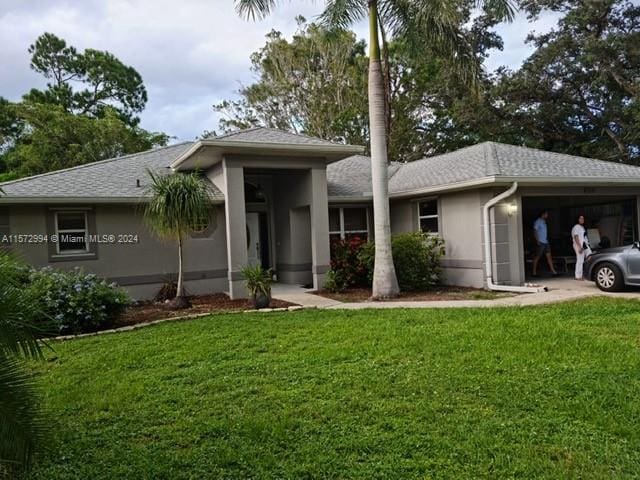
[(331, 152), (13, 200), (350, 198), (448, 187), (544, 181)]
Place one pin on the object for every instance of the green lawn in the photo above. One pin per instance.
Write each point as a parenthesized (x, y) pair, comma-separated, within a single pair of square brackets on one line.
[(548, 392)]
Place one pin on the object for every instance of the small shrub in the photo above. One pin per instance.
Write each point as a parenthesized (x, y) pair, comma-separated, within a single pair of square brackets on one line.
[(416, 257), (347, 269), (76, 302), (334, 282), (366, 257), (258, 280), (167, 291)]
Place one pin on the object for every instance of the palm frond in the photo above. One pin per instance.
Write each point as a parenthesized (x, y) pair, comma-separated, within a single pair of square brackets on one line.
[(179, 204), (433, 26), (498, 9), (18, 335), (22, 425), (343, 13), (255, 9)]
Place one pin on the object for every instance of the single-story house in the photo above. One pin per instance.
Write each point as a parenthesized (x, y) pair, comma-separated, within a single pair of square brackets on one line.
[(279, 199)]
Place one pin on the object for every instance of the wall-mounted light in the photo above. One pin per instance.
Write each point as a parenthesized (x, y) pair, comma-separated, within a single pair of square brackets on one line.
[(512, 209)]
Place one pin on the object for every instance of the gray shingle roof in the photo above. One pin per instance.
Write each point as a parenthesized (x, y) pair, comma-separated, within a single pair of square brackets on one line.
[(270, 135), (516, 161), (114, 178), (352, 176), (459, 166)]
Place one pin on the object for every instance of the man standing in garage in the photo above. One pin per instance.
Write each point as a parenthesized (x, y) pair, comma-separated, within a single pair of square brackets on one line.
[(542, 241), (580, 243)]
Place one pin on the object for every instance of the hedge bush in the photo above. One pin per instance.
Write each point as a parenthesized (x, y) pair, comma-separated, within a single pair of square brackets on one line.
[(346, 269), (76, 302), (416, 257)]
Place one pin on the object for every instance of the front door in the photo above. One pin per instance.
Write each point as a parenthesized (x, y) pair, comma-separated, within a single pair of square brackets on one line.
[(253, 238)]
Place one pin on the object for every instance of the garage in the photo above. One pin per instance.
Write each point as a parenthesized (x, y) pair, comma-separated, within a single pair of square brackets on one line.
[(611, 221)]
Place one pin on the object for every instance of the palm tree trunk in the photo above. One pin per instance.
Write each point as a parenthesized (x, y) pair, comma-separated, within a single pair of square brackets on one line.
[(180, 286), (385, 283)]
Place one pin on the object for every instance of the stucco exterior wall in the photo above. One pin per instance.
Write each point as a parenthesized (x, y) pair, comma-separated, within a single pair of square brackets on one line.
[(459, 222), (293, 227), (141, 267)]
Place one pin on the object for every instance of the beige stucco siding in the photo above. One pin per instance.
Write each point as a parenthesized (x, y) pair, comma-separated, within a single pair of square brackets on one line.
[(293, 227), (459, 222), (143, 266)]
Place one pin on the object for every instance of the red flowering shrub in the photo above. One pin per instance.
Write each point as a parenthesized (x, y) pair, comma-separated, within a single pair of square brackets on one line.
[(346, 268)]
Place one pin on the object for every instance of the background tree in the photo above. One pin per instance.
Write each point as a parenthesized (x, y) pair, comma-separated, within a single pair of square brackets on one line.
[(57, 139), (179, 204), (579, 91), (86, 113), (103, 80), (423, 90), (316, 84), (22, 427)]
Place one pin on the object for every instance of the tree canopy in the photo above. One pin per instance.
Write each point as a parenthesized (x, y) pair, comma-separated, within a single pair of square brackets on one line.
[(317, 84), (86, 113), (577, 93), (314, 84), (101, 81)]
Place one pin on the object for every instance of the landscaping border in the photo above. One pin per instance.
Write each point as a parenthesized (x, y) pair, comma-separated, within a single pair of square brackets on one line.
[(128, 328)]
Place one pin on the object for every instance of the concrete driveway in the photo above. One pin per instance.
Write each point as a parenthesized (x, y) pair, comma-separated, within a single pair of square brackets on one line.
[(586, 287)]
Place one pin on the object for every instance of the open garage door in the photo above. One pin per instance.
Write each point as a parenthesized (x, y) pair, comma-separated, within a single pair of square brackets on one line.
[(610, 221)]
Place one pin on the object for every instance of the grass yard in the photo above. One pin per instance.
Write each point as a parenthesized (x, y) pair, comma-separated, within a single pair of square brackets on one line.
[(548, 392)]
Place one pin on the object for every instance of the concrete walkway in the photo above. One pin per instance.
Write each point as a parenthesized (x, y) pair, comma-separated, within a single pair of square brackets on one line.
[(560, 290), (300, 295)]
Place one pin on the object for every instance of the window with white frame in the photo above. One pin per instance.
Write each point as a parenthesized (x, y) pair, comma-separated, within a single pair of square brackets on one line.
[(428, 216), (348, 222), (72, 231)]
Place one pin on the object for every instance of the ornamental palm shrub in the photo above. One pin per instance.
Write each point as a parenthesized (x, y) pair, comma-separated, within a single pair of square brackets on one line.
[(75, 302), (22, 427), (179, 205)]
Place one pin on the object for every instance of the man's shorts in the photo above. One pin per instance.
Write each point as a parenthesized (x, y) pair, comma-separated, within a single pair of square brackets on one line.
[(542, 249)]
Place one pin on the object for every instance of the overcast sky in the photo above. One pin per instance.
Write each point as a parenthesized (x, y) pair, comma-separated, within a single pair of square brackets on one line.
[(190, 53)]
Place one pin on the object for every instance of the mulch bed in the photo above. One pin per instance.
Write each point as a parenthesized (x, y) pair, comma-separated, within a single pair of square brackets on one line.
[(219, 302), (440, 293)]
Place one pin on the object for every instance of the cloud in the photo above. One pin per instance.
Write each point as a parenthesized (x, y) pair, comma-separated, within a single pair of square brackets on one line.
[(191, 53)]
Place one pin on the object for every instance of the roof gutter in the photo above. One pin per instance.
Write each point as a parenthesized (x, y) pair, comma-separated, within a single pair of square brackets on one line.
[(488, 263)]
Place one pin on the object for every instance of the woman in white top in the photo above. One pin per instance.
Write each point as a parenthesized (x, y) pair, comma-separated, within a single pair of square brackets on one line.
[(580, 245)]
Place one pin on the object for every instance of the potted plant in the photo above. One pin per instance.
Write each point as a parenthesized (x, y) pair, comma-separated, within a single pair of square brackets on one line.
[(259, 285)]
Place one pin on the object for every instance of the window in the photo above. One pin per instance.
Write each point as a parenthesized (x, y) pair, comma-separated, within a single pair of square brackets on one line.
[(428, 216), (348, 222), (72, 231)]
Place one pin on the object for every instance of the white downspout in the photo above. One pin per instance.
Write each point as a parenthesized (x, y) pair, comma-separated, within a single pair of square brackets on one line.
[(487, 248)]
